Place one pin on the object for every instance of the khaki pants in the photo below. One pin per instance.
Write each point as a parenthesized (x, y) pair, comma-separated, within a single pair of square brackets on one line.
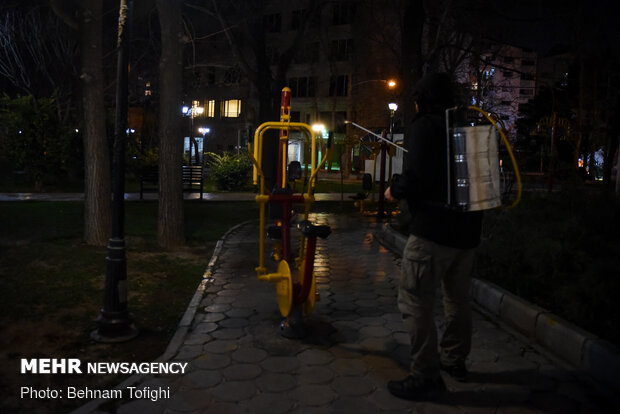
[(425, 266)]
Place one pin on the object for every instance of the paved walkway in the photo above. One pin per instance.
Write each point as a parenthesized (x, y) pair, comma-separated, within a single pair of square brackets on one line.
[(224, 196), (240, 364)]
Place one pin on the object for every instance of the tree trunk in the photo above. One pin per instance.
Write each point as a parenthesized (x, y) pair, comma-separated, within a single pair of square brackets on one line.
[(617, 189), (411, 56), (97, 195), (269, 111), (170, 230)]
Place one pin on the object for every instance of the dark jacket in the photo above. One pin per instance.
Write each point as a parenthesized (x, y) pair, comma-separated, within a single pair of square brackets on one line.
[(424, 182)]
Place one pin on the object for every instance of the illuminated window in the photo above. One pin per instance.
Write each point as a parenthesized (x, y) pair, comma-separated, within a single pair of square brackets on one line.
[(231, 108), (210, 107)]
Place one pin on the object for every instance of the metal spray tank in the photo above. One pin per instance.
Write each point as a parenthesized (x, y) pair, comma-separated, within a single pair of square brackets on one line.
[(473, 162)]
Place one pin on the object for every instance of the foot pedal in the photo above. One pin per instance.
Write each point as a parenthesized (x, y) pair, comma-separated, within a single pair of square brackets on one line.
[(310, 230)]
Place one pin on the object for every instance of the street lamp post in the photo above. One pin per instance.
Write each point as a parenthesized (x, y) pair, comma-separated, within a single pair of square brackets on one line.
[(383, 150), (192, 112), (204, 131), (114, 322), (393, 107), (318, 129), (381, 213), (365, 98)]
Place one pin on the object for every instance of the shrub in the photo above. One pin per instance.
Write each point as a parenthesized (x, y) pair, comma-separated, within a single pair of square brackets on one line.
[(231, 172), (36, 141), (560, 251)]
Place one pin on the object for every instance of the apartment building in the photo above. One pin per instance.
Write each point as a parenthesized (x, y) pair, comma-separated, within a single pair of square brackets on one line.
[(338, 73), (503, 79)]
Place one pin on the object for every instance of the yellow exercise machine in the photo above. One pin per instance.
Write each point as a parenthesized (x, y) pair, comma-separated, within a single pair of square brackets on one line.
[(381, 149), (293, 296)]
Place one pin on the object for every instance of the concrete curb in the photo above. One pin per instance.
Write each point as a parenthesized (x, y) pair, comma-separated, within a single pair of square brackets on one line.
[(580, 349), (182, 329)]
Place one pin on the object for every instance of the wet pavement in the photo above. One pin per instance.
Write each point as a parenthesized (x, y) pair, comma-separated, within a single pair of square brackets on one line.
[(223, 196), (239, 363)]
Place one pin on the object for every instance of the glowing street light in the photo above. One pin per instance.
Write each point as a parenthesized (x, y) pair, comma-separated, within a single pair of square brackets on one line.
[(318, 128), (193, 110)]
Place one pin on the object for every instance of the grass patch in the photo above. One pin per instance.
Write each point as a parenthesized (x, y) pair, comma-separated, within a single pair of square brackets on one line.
[(53, 287), (562, 252)]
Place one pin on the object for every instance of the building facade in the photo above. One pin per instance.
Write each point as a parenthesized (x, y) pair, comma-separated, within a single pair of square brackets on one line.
[(340, 71), (337, 74)]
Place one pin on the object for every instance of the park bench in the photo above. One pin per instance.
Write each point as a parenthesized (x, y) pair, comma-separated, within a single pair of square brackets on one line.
[(192, 179)]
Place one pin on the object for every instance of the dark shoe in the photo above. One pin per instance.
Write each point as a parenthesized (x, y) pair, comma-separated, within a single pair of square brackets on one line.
[(415, 389), (457, 370)]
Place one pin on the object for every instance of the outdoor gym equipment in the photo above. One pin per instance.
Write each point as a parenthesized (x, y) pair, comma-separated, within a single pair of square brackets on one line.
[(382, 148), (299, 295)]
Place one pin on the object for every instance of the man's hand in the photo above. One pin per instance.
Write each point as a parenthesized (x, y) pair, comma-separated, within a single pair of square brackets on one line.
[(388, 195)]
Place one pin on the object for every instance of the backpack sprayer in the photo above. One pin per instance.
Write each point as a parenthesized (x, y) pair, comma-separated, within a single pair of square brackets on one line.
[(473, 163)]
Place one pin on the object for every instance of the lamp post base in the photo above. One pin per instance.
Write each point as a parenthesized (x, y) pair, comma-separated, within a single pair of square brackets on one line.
[(114, 330)]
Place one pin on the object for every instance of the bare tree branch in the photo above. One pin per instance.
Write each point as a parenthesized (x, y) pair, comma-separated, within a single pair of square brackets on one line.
[(250, 72)]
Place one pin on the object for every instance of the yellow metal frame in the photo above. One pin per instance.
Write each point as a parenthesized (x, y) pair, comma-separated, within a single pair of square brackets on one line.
[(255, 153)]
